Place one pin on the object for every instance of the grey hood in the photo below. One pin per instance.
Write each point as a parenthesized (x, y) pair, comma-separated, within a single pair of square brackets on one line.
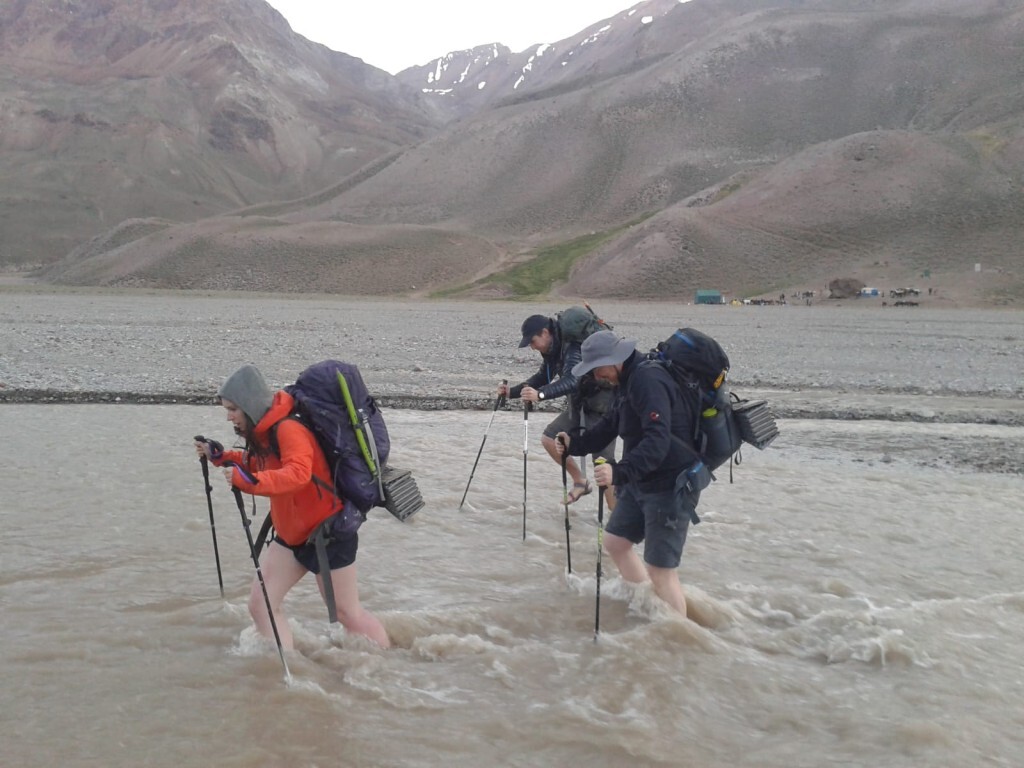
[(247, 389)]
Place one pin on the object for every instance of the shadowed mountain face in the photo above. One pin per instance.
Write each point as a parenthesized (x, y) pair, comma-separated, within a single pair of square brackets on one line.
[(111, 109), (750, 146)]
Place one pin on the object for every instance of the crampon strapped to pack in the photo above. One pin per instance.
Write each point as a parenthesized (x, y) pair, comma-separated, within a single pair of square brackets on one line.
[(700, 367)]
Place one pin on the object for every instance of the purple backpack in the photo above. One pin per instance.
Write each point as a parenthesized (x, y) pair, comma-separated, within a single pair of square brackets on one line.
[(350, 430)]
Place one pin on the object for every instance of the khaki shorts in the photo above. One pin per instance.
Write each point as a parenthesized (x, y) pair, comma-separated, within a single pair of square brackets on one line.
[(569, 421)]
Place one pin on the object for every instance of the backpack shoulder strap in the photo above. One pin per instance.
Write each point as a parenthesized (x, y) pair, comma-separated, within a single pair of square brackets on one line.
[(275, 446), (689, 389), (264, 535)]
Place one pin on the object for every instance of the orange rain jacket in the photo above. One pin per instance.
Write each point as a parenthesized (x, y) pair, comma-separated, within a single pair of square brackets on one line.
[(297, 504)]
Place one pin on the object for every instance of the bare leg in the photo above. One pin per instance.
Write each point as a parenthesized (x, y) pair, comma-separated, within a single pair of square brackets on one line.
[(351, 613), (570, 463), (664, 580), (281, 571), (625, 557), (667, 587)]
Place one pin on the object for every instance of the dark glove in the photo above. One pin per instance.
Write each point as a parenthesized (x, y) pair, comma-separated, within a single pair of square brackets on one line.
[(216, 449)]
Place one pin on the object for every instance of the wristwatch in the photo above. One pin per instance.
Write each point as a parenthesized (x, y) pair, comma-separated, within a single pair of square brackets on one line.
[(540, 395)]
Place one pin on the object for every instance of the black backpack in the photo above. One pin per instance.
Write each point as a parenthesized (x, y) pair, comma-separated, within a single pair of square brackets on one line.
[(700, 367)]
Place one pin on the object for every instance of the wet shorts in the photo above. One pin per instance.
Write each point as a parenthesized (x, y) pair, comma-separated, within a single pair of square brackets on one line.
[(660, 520), (341, 551), (568, 420)]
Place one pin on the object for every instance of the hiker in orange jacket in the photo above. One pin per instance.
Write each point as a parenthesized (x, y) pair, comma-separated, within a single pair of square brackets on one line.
[(285, 464)]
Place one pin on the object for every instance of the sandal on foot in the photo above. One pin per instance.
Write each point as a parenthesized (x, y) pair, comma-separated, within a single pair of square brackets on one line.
[(579, 490)]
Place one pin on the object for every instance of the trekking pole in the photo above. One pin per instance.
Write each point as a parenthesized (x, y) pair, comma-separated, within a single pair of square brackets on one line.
[(600, 549), (565, 502), (497, 404), (205, 464), (583, 429), (259, 574), (526, 442)]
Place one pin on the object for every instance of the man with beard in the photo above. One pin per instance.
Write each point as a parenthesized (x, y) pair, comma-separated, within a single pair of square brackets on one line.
[(660, 476)]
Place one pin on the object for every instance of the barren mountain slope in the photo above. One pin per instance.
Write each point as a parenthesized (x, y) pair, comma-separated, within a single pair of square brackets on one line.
[(741, 144), (111, 109), (261, 253), (760, 88), (890, 205)]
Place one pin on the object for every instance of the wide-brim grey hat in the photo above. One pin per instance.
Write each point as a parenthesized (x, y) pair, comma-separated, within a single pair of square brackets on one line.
[(247, 389), (603, 348)]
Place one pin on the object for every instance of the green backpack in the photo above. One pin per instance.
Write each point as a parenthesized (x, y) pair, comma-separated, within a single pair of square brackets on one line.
[(577, 323)]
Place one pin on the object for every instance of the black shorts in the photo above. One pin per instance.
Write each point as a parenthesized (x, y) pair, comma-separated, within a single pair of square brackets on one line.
[(341, 551)]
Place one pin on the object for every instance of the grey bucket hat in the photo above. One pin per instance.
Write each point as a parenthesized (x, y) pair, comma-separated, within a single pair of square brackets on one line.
[(603, 348)]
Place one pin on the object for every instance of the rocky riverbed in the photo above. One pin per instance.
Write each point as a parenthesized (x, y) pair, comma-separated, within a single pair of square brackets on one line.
[(850, 361)]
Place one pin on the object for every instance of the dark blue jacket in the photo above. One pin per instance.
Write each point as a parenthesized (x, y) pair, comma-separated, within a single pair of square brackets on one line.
[(555, 377), (656, 422)]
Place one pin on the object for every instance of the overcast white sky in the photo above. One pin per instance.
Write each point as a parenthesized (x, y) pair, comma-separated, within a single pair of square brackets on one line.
[(395, 34)]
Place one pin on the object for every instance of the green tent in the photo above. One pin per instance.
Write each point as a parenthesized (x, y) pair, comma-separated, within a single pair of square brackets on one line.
[(709, 297)]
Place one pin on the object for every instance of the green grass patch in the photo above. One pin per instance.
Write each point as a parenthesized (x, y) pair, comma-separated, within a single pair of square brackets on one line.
[(988, 143), (535, 278), (724, 191)]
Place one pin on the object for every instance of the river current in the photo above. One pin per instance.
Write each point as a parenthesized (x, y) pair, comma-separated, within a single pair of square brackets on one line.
[(856, 601)]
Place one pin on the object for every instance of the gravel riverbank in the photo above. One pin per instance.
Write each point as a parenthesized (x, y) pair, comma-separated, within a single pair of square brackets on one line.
[(854, 361)]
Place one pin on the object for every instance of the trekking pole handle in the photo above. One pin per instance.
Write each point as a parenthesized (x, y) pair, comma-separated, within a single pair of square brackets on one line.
[(565, 460), (598, 462), (565, 451), (216, 449), (243, 472)]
